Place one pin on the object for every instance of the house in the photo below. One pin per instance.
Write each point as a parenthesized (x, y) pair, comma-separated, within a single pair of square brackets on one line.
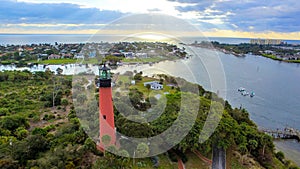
[(141, 55), (53, 56), (67, 55), (154, 85), (269, 52), (128, 54), (73, 51), (79, 56), (92, 54), (117, 54), (43, 55)]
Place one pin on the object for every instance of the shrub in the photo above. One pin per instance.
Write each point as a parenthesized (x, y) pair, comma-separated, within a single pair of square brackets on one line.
[(13, 122), (280, 156), (172, 156), (182, 156), (21, 133), (39, 131), (64, 102), (4, 112), (48, 117)]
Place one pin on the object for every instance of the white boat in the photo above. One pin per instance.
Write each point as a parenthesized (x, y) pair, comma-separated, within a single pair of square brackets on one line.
[(241, 89), (244, 93)]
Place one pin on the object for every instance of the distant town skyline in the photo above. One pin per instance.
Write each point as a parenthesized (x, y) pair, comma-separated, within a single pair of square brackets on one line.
[(216, 18)]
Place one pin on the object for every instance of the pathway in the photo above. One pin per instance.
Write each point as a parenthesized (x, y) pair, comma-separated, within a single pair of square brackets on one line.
[(202, 157), (180, 164)]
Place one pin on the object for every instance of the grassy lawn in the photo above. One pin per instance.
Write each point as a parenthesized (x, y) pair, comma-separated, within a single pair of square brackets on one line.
[(271, 57), (140, 86), (7, 62), (279, 59), (55, 61), (95, 60), (146, 163), (194, 162), (123, 79), (91, 61), (145, 60), (293, 61), (236, 165)]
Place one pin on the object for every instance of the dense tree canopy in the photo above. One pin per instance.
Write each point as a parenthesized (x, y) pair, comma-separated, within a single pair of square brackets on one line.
[(34, 134)]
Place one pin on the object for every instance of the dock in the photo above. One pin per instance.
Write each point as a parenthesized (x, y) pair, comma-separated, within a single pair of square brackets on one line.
[(285, 133)]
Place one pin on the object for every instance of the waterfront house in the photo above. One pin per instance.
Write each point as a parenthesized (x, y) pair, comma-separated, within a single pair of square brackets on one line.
[(269, 52)]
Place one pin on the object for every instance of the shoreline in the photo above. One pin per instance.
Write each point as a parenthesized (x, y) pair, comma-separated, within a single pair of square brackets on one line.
[(273, 57)]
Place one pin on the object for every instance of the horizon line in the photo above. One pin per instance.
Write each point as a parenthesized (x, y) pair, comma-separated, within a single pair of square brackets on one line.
[(90, 34)]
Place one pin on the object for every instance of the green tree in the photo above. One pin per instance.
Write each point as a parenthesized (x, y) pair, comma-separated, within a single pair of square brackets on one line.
[(59, 71), (13, 122), (252, 144), (280, 156), (56, 91), (148, 86), (89, 144), (21, 133), (4, 111), (64, 102), (142, 150), (264, 140), (138, 76), (81, 98), (243, 150)]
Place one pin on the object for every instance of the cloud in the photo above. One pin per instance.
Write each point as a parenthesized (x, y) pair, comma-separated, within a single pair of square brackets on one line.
[(248, 15), (252, 16), (21, 12), (123, 6)]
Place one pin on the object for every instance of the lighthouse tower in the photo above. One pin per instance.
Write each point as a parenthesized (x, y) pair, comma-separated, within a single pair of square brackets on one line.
[(106, 114)]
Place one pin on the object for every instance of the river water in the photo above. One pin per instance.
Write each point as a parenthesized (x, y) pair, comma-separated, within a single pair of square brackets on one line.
[(276, 85)]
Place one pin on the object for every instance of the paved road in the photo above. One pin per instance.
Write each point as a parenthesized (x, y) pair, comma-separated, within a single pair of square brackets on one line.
[(219, 158)]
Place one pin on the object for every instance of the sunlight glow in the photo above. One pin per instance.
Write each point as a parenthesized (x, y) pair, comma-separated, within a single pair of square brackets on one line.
[(152, 37)]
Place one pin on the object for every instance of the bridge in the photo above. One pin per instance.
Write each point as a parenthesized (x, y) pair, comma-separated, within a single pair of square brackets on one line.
[(285, 133)]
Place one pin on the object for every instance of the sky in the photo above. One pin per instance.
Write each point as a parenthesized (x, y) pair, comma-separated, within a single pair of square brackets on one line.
[(220, 18)]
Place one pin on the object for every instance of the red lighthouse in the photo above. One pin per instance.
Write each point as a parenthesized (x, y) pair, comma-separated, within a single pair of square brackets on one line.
[(106, 114)]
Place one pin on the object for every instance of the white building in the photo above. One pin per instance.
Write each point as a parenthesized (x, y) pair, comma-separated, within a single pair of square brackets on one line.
[(154, 85), (92, 54), (128, 54), (79, 56), (53, 56), (141, 55)]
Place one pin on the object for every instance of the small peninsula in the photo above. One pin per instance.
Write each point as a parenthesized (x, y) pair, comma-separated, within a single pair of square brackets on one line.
[(89, 53), (280, 51)]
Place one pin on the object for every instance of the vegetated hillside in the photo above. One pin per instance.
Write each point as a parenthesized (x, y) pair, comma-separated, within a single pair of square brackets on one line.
[(37, 132), (40, 129)]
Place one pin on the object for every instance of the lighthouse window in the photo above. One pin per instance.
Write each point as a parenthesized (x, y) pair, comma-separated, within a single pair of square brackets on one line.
[(104, 117)]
